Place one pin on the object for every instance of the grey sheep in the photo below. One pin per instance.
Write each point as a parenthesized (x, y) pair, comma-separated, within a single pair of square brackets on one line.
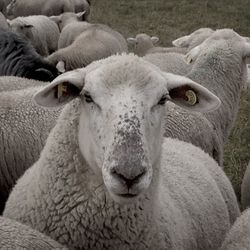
[(144, 44), (16, 236), (40, 30), (245, 189), (18, 8), (96, 42), (106, 178), (24, 127), (238, 237), (194, 39)]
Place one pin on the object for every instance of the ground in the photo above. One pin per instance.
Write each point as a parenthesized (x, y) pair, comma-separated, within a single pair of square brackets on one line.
[(170, 19)]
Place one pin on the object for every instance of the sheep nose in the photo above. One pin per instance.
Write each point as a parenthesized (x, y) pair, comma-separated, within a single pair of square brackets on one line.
[(128, 181)]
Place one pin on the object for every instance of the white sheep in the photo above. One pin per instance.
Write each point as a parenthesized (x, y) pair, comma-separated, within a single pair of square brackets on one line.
[(18, 8), (194, 39), (144, 44), (104, 179), (245, 189), (71, 26), (96, 42), (40, 30), (24, 128), (219, 64), (238, 237), (16, 236), (66, 18)]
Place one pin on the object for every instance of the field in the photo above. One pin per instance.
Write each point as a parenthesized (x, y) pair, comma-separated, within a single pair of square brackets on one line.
[(170, 19)]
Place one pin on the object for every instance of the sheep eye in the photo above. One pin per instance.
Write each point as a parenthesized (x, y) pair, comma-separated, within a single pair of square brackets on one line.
[(88, 97), (162, 100)]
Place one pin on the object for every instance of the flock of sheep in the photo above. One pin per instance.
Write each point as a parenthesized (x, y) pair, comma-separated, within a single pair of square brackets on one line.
[(105, 149)]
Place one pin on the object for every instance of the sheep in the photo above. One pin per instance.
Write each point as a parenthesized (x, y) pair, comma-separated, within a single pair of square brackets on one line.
[(18, 8), (106, 179), (194, 39), (3, 22), (208, 131), (223, 71), (19, 58), (245, 189), (238, 237), (14, 235), (96, 42), (24, 129), (144, 44), (40, 30), (66, 18)]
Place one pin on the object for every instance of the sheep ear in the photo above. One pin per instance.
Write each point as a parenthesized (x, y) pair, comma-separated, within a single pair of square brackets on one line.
[(181, 42), (131, 40), (61, 67), (155, 39), (193, 54), (63, 89), (190, 95), (81, 16), (55, 19)]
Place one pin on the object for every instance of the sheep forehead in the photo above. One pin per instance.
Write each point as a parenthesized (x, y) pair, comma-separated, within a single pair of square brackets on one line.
[(125, 70), (142, 36), (202, 31)]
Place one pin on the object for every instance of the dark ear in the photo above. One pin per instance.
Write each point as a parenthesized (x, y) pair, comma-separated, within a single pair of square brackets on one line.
[(82, 16), (190, 95), (43, 74), (62, 90)]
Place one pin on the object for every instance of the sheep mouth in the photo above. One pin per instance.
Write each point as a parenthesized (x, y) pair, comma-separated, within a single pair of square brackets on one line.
[(127, 195)]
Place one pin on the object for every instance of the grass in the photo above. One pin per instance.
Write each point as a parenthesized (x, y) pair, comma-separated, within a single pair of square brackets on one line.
[(170, 19)]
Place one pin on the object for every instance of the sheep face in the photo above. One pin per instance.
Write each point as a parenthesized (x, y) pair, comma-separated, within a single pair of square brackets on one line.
[(122, 117), (20, 27), (121, 120)]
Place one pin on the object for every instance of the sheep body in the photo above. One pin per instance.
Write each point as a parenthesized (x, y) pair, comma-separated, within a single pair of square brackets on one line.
[(96, 42), (185, 207), (40, 30), (19, 58), (24, 129), (14, 235), (238, 236), (18, 8)]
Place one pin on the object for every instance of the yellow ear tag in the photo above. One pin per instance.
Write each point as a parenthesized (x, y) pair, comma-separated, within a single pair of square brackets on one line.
[(61, 89), (192, 98)]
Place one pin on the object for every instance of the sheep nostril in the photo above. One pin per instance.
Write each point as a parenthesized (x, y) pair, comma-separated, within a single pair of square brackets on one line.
[(128, 181)]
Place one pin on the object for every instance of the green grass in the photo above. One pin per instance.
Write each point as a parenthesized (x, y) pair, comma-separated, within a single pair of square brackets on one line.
[(170, 19)]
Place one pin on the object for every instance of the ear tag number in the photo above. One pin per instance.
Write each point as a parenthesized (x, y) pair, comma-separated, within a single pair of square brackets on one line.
[(191, 97), (61, 90)]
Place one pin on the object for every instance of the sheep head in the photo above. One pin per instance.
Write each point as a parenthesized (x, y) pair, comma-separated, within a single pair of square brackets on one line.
[(123, 107)]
